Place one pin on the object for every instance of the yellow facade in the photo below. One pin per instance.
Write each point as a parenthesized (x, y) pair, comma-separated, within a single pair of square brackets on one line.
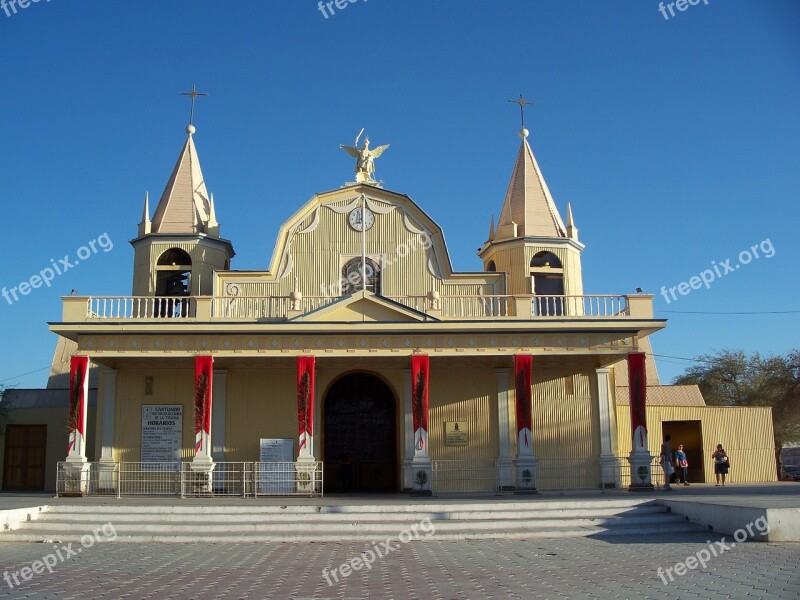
[(363, 335)]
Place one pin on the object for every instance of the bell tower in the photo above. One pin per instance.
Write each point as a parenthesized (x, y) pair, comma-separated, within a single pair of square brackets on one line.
[(177, 252), (531, 244)]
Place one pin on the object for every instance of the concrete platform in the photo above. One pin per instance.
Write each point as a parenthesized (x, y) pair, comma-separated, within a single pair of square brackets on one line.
[(759, 512)]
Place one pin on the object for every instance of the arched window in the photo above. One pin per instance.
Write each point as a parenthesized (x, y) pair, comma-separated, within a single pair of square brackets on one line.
[(352, 279), (173, 279), (547, 279), (491, 267)]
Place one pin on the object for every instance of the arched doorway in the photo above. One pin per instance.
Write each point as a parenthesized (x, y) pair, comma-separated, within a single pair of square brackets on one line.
[(359, 426)]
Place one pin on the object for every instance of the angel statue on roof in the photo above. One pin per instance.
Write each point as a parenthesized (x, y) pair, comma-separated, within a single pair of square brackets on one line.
[(365, 158)]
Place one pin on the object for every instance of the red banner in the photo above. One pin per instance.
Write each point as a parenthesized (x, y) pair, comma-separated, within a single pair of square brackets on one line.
[(203, 371), (420, 367), (523, 366), (78, 389), (637, 380), (305, 397)]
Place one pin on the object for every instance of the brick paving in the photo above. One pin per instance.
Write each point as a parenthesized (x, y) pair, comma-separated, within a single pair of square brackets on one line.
[(601, 568)]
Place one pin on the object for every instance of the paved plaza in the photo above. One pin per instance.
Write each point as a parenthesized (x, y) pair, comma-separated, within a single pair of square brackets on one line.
[(616, 567)]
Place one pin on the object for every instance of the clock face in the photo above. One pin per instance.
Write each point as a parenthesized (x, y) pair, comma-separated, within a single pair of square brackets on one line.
[(355, 219)]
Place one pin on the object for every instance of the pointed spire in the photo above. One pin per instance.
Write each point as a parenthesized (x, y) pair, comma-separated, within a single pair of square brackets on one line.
[(572, 231), (491, 230), (145, 225), (529, 209), (213, 225), (184, 206)]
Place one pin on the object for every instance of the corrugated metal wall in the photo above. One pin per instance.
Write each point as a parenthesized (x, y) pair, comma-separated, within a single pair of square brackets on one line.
[(564, 425), (463, 394), (260, 403), (324, 241), (170, 386)]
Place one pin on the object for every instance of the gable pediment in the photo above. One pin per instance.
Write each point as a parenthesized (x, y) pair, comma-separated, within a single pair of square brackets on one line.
[(364, 306)]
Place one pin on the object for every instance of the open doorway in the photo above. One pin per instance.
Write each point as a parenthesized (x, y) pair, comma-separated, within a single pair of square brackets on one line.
[(690, 434)]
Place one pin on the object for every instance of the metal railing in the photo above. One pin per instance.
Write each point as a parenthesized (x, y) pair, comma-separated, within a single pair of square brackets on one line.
[(465, 476), (187, 480), (549, 475), (255, 479), (559, 474), (141, 307), (287, 479)]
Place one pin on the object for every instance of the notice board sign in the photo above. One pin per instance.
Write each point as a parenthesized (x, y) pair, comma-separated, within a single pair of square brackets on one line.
[(162, 434), (456, 433), (276, 468)]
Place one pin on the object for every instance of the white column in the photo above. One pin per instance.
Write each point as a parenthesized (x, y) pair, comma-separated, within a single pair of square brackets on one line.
[(505, 463), (408, 437), (106, 466), (109, 415), (220, 386), (608, 462)]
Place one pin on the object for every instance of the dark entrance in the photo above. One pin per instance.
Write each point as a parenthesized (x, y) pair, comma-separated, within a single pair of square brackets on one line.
[(690, 434), (360, 436), (26, 448)]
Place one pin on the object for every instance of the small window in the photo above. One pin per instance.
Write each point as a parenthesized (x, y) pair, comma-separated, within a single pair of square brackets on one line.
[(491, 267), (547, 282), (545, 260), (352, 276)]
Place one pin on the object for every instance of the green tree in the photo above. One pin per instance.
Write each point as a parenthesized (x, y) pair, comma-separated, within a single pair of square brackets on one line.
[(732, 378)]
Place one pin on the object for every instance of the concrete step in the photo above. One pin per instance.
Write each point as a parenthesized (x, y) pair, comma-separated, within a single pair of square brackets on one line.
[(250, 522), (380, 528), (119, 515), (216, 506), (292, 536)]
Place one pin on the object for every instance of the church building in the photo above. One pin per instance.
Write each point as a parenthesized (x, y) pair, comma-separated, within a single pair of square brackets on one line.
[(365, 362)]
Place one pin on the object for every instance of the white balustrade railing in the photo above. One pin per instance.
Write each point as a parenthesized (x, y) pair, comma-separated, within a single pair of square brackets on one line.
[(418, 303), (580, 306), (141, 307), (477, 307), (250, 307), (278, 308)]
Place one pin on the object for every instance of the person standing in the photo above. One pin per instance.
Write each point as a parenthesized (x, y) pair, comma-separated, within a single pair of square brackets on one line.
[(721, 464), (666, 462), (682, 464)]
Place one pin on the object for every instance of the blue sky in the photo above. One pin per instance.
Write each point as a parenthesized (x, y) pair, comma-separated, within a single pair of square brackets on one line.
[(675, 140)]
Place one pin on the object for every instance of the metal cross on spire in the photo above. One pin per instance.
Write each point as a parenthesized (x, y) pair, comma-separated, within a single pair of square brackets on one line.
[(193, 94), (522, 104)]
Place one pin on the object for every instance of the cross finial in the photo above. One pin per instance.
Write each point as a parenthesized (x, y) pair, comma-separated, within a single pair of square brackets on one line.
[(193, 94), (522, 104)]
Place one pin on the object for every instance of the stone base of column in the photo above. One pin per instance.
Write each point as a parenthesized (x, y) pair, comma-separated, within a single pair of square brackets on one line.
[(199, 478), (641, 478), (408, 477), (307, 476), (75, 476), (609, 473), (505, 474), (107, 476), (422, 473), (526, 475)]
